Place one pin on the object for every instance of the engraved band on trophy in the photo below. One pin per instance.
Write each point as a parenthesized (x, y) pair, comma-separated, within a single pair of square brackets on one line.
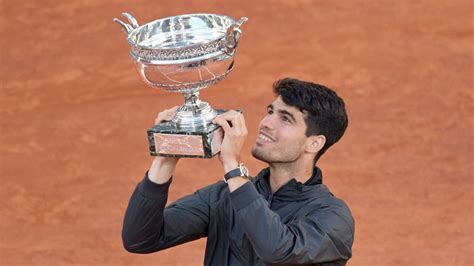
[(185, 54)]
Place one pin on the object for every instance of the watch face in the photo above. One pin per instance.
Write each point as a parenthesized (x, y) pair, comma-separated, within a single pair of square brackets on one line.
[(244, 170)]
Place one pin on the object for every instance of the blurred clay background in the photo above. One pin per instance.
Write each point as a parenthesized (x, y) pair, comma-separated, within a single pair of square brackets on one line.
[(74, 115)]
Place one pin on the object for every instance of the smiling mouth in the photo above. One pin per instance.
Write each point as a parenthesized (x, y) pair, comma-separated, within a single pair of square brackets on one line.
[(262, 138)]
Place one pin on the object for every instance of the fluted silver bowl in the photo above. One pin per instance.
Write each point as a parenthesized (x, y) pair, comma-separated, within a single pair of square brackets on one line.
[(183, 53)]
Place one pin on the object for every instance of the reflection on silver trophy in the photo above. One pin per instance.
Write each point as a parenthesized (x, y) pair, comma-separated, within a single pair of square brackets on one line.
[(185, 54)]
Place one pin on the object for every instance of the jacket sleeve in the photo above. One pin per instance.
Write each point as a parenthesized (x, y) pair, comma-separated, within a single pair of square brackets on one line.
[(320, 236), (149, 226)]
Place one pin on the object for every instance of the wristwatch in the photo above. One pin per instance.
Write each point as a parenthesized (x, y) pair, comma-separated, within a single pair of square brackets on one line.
[(239, 171)]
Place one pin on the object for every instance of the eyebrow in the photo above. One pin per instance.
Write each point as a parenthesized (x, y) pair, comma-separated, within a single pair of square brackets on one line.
[(284, 112)]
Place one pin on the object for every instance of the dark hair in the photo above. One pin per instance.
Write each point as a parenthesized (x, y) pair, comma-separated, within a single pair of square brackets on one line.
[(325, 110)]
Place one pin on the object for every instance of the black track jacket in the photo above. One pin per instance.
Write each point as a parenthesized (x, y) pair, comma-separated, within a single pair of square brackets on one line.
[(298, 224)]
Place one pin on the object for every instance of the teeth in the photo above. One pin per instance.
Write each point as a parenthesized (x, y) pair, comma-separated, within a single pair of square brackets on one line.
[(264, 138)]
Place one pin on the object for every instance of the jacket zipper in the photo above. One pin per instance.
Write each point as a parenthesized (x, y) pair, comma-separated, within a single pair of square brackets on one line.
[(270, 199)]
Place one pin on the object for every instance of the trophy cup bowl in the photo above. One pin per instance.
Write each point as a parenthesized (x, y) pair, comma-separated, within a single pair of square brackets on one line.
[(184, 54)]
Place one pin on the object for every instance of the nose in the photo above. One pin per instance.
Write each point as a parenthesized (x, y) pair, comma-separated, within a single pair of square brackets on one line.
[(267, 122)]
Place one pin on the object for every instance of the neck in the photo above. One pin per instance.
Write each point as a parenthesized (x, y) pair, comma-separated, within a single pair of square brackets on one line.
[(281, 173)]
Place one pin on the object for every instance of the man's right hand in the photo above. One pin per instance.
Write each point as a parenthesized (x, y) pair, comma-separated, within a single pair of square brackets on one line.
[(162, 168)]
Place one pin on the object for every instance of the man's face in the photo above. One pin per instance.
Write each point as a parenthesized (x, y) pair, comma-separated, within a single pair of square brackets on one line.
[(281, 137)]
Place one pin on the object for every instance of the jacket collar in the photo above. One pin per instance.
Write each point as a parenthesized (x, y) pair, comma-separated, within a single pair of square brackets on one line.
[(293, 190)]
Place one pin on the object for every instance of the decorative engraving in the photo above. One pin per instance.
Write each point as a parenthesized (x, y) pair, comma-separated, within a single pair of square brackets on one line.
[(177, 53), (191, 86), (178, 144)]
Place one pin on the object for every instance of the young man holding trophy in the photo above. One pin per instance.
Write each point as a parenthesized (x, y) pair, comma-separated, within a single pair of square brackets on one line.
[(284, 215)]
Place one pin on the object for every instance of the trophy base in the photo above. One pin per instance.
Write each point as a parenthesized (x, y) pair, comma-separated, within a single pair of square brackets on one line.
[(167, 139)]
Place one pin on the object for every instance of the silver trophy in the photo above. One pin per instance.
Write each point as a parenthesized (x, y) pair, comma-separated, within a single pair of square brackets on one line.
[(185, 54)]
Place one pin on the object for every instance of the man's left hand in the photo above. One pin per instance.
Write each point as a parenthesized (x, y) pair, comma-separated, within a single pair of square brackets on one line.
[(235, 133)]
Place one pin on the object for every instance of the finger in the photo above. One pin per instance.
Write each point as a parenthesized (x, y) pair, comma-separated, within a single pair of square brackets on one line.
[(238, 121), (237, 125), (242, 125), (171, 111), (162, 118), (166, 115), (174, 108), (223, 123), (159, 120), (231, 116), (228, 115)]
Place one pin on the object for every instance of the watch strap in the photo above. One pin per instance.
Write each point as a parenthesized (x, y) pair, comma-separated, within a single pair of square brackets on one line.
[(241, 170)]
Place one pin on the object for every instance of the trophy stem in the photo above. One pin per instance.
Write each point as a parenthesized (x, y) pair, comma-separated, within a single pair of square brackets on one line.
[(191, 100), (194, 113)]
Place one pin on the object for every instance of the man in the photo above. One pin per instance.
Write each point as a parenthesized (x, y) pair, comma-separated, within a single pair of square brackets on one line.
[(285, 215)]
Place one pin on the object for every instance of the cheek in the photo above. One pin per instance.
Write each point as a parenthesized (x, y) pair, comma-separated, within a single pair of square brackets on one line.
[(295, 135), (292, 136)]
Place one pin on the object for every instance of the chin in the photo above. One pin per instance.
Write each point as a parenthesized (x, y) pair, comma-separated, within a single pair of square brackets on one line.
[(259, 154), (275, 156)]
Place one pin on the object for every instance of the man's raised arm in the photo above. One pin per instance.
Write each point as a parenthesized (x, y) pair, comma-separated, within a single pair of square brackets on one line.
[(149, 226)]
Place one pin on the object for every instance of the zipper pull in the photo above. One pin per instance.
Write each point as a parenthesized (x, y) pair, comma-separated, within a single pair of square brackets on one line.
[(270, 199)]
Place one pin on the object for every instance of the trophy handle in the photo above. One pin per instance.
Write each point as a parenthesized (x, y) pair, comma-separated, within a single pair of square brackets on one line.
[(131, 19), (232, 36), (127, 28)]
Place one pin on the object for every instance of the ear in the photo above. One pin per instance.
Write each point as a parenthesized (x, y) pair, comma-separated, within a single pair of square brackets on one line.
[(315, 143)]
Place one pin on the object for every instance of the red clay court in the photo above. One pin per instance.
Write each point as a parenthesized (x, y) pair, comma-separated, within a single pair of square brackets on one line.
[(74, 115)]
